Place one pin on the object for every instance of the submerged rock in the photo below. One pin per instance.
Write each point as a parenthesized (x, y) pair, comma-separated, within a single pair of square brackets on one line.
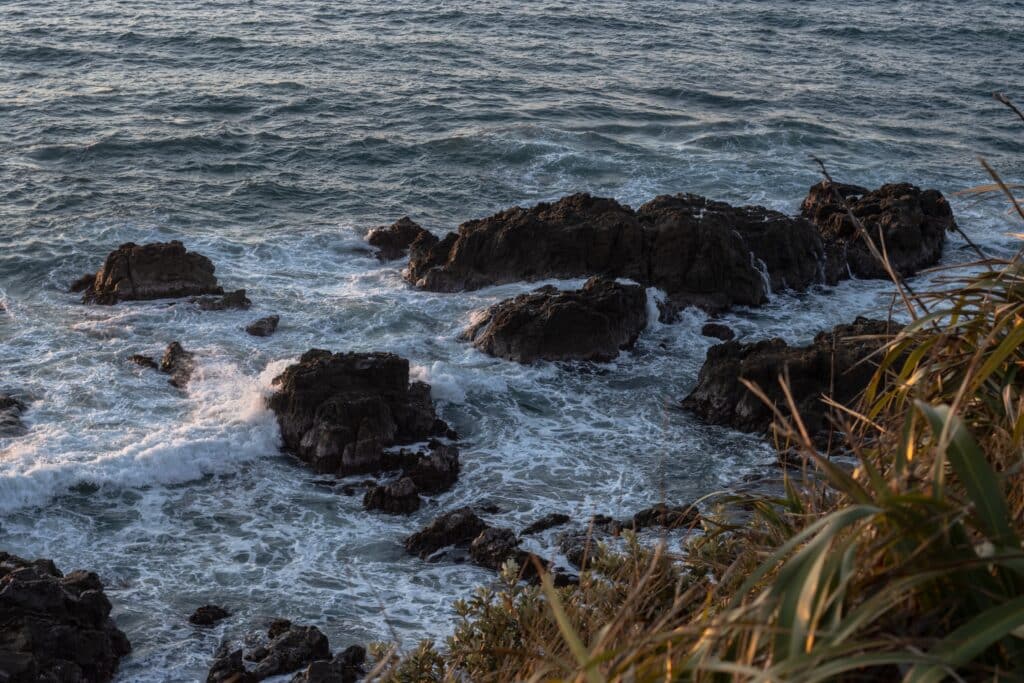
[(393, 241), (232, 300), (161, 270), (455, 528), (11, 410), (338, 412), (264, 327), (55, 627), (718, 331), (833, 364), (208, 615), (910, 221), (144, 361), (700, 252), (593, 323), (178, 363)]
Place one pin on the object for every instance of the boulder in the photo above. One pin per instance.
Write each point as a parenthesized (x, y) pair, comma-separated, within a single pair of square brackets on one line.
[(397, 498), (346, 667), (264, 327), (718, 331), (910, 221), (834, 364), (83, 283), (208, 615), (593, 323), (286, 649), (700, 252), (435, 471), (11, 410), (236, 300), (338, 412), (670, 517), (55, 627), (178, 363), (455, 528), (493, 547), (544, 523), (144, 361), (393, 241), (161, 270)]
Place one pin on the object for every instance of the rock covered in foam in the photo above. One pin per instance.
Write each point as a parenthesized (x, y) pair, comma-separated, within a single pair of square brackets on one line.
[(593, 323), (911, 222), (55, 627), (160, 270), (836, 363), (700, 252)]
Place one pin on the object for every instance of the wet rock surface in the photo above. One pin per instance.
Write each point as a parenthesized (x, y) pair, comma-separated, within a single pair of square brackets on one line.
[(592, 323), (700, 252), (208, 615), (160, 270), (287, 648), (393, 241), (338, 412), (55, 627), (236, 300), (910, 221), (264, 327), (397, 498), (667, 516), (11, 410), (830, 365), (456, 528), (178, 363), (718, 331), (546, 522), (345, 667)]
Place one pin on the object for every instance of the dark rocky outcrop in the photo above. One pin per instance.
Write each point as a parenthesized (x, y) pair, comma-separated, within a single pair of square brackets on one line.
[(83, 283), (236, 300), (393, 241), (667, 516), (264, 327), (833, 364), (11, 410), (493, 547), (287, 648), (397, 498), (699, 251), (208, 615), (144, 361), (55, 627), (718, 331), (346, 667), (546, 522), (455, 528), (338, 412), (161, 270), (593, 323), (178, 363), (911, 221)]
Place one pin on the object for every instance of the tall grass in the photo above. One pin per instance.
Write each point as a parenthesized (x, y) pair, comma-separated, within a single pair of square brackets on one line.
[(909, 567)]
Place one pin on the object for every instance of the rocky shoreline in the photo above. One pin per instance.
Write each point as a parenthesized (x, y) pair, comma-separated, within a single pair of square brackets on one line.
[(345, 414)]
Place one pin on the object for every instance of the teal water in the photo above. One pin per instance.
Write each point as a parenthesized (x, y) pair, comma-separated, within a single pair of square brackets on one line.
[(270, 135)]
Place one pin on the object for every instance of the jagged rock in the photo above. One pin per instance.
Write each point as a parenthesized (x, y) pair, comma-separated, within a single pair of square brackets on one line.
[(55, 627), (393, 241), (232, 300), (144, 361), (11, 410), (456, 528), (208, 615), (264, 327), (830, 365), (493, 547), (544, 523), (83, 283), (674, 517), (178, 363), (593, 323), (346, 667), (161, 270), (435, 472), (700, 252), (718, 331), (288, 649), (337, 412), (398, 498), (912, 221)]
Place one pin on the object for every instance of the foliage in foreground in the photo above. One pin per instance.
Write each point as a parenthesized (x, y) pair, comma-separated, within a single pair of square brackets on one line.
[(909, 567)]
